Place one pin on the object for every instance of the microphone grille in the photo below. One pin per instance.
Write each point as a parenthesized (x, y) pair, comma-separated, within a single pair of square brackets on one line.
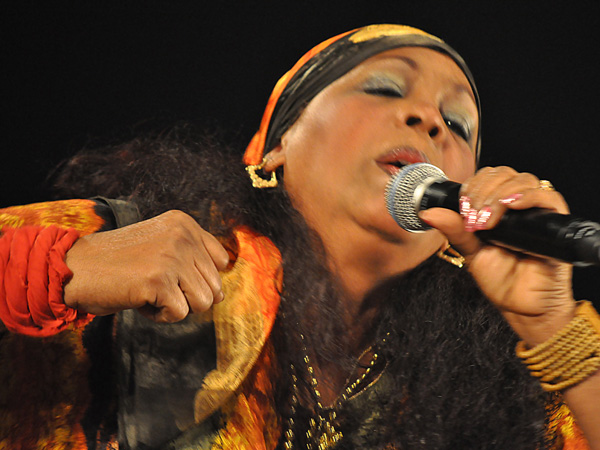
[(400, 197)]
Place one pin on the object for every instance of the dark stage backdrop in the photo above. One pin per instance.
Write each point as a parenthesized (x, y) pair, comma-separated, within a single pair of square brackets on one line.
[(80, 72)]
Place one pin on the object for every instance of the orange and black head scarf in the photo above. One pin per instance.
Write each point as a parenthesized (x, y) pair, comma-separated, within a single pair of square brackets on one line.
[(327, 62)]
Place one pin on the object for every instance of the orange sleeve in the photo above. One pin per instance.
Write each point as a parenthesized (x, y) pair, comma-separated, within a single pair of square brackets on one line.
[(33, 244), (564, 427)]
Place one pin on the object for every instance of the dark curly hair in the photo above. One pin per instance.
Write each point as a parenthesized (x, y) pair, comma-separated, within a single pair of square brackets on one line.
[(456, 381)]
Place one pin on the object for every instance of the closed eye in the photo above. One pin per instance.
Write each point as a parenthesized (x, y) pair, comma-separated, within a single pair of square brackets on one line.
[(458, 126), (383, 86), (384, 92)]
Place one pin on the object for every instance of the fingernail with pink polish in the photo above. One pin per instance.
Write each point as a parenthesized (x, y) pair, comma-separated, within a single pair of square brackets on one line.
[(510, 199), (482, 217), (471, 220), (464, 205)]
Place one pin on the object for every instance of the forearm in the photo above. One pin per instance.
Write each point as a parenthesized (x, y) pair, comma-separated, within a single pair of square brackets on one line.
[(583, 400), (564, 353)]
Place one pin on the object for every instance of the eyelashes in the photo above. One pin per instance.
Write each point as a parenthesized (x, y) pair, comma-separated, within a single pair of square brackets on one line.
[(383, 87)]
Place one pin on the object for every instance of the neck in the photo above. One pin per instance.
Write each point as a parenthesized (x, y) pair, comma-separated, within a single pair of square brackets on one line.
[(372, 259)]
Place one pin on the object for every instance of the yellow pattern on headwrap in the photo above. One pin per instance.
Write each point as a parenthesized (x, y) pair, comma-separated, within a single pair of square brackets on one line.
[(375, 31)]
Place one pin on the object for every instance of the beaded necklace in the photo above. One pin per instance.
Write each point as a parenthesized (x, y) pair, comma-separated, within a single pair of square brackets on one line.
[(323, 426)]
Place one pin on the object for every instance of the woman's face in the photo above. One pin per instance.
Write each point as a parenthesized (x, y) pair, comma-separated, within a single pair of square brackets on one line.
[(399, 107)]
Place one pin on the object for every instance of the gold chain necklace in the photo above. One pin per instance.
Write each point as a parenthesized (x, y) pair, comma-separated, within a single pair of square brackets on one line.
[(323, 427)]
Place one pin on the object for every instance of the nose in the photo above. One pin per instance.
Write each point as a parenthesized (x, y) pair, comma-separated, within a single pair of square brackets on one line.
[(424, 117)]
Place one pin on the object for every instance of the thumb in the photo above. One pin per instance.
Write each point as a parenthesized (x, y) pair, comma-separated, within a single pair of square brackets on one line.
[(452, 225)]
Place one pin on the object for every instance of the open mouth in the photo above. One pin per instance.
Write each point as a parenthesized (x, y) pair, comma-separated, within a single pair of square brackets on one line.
[(392, 162), (394, 167), (399, 164)]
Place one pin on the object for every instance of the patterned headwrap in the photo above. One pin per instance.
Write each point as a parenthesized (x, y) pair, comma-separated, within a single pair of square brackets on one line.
[(327, 62)]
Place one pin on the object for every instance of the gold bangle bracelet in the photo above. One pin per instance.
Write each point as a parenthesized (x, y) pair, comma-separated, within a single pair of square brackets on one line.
[(568, 357)]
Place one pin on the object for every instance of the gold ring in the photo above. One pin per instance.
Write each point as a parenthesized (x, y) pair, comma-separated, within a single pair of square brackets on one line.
[(545, 185)]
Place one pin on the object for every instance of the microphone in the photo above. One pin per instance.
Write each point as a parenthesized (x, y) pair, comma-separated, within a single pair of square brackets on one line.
[(539, 231)]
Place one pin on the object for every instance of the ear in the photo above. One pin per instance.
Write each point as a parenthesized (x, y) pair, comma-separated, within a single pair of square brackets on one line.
[(275, 158)]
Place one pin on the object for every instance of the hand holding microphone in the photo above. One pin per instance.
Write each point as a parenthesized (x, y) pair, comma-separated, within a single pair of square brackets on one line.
[(422, 186)]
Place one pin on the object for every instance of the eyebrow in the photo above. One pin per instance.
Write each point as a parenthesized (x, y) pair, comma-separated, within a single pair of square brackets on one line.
[(459, 87), (462, 88), (411, 62)]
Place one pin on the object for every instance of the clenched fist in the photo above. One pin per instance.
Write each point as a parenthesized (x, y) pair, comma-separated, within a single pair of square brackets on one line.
[(165, 267)]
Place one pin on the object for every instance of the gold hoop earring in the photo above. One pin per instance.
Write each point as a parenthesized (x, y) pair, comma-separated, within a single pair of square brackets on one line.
[(257, 181), (450, 255)]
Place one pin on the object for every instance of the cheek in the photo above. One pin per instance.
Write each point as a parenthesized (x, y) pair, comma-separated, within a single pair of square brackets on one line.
[(324, 156), (459, 166), (327, 137)]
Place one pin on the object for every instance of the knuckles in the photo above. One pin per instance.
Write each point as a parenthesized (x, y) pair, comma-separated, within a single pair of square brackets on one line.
[(205, 300), (178, 226), (152, 262), (177, 312)]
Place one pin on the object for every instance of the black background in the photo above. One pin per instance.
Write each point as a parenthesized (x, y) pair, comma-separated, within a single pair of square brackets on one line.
[(78, 72)]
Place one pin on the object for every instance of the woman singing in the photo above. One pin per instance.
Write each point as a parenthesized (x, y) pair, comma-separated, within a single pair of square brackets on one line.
[(276, 304)]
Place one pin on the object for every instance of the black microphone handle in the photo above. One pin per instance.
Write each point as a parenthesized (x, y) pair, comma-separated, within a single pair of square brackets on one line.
[(538, 231)]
